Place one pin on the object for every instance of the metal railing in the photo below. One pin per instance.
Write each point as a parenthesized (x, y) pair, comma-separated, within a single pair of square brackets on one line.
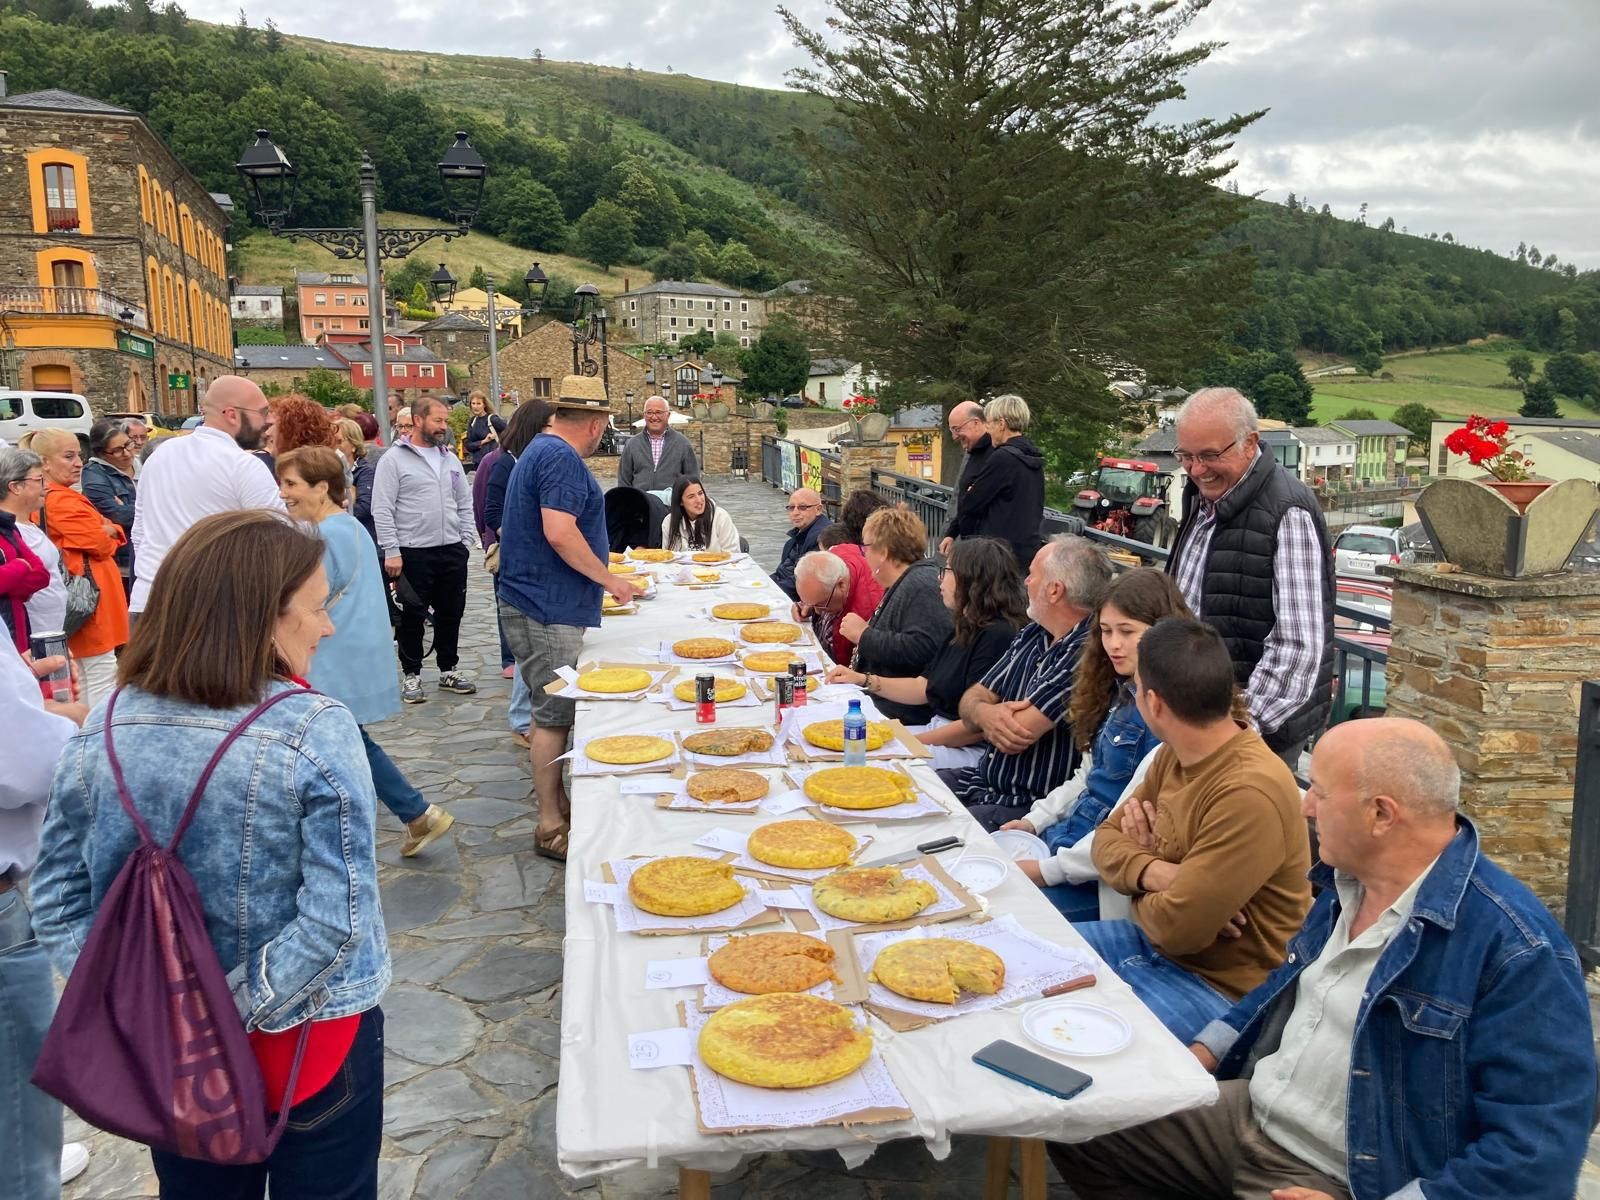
[(771, 463), (1583, 856), (62, 220), (71, 302)]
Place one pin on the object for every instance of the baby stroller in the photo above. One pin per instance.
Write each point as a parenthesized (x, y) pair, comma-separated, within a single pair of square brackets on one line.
[(633, 518)]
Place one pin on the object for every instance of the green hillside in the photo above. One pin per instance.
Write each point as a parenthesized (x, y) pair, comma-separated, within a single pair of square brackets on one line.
[(1454, 383)]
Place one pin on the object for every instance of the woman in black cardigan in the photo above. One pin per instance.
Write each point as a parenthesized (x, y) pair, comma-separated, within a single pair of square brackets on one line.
[(483, 430), (911, 622)]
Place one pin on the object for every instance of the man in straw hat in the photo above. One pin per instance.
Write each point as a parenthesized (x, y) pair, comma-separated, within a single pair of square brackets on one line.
[(553, 569)]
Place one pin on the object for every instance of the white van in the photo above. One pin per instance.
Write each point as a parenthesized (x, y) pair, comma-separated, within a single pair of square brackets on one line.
[(24, 412)]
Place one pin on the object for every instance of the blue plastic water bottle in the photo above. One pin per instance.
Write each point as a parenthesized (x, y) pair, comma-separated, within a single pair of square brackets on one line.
[(855, 736)]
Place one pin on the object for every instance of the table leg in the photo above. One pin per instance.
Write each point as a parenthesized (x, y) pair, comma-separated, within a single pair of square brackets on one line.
[(693, 1185), (1033, 1169), (997, 1169)]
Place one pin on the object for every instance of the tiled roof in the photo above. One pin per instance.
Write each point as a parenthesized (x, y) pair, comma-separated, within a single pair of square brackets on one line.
[(1372, 428), (830, 366), (297, 358), (361, 352), (63, 101), (313, 278), (1573, 441), (258, 289), (223, 200), (1320, 435), (676, 288), (453, 320), (795, 287)]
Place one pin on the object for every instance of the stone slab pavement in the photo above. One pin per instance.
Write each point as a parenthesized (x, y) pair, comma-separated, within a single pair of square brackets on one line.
[(473, 1017)]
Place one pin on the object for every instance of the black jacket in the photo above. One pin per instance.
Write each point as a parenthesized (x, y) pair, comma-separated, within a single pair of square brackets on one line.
[(799, 543), (1005, 499), (477, 440), (904, 635), (977, 458), (112, 493), (1236, 592)]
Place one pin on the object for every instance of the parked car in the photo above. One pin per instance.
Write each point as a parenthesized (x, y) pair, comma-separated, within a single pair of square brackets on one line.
[(794, 402), (1359, 550), (22, 413)]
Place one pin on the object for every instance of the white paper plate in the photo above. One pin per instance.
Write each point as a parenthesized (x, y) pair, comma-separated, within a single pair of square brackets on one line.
[(1073, 1027), (980, 872), (1020, 844)]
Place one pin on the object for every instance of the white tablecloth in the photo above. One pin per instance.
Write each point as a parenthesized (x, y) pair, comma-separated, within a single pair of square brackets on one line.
[(610, 1116)]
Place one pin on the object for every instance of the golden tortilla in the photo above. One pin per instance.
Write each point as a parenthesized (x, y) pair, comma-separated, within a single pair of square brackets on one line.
[(829, 735), (615, 556), (684, 886), (703, 576), (772, 962), (710, 556), (623, 569), (802, 845), (872, 894), (727, 689), (858, 787), (726, 785), (768, 662), (729, 743), (938, 970), (784, 1040), (645, 554), (741, 612), (703, 647), (771, 631), (628, 749), (614, 679)]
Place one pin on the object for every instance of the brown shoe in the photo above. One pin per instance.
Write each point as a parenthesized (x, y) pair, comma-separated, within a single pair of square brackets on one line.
[(426, 829), (520, 739)]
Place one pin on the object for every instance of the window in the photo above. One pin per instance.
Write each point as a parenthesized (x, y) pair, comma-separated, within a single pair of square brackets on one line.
[(672, 336), (336, 325), (240, 305), (744, 306), (744, 324), (172, 218), (366, 370), (744, 341), (61, 408), (727, 306), (690, 322), (64, 273), (363, 323), (726, 323), (266, 306), (359, 300), (674, 322), (60, 197), (541, 389), (316, 324), (1444, 460), (632, 305), (338, 299), (10, 408), (144, 194), (711, 306), (822, 390), (322, 299), (341, 278)]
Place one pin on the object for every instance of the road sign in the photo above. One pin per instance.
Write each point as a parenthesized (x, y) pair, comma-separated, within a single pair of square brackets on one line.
[(178, 382)]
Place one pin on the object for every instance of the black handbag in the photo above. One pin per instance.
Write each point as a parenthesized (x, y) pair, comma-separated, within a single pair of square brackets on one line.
[(83, 593)]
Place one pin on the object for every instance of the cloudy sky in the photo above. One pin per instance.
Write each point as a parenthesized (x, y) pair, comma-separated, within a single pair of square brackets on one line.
[(1477, 117)]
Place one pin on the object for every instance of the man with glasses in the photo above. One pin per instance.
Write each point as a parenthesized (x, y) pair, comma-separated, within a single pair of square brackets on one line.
[(1252, 560), (211, 470), (829, 586), (656, 459), (808, 519), (967, 427)]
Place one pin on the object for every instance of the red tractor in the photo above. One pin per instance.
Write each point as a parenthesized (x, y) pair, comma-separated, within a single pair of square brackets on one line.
[(1129, 498)]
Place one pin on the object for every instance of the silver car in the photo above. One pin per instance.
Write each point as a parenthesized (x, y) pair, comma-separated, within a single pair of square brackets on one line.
[(1360, 550)]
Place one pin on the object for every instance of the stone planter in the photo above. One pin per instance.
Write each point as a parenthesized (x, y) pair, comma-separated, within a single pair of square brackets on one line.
[(762, 411), (699, 410), (719, 411), (871, 427), (1479, 529)]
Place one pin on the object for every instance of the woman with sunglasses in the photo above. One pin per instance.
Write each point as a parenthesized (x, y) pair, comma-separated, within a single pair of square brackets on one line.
[(108, 485), (983, 593)]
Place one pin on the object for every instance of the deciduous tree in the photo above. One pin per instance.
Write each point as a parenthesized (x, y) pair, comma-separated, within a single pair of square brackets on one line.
[(1418, 418), (1520, 367), (605, 233), (777, 364)]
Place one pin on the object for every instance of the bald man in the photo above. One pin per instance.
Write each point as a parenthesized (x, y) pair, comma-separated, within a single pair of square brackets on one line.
[(967, 427), (209, 471), (1428, 1036), (807, 519)]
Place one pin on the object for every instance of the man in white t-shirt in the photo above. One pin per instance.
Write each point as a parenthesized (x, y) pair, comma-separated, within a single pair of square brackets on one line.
[(209, 471)]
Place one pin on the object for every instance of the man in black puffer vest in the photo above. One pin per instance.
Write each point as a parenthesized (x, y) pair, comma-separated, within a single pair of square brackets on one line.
[(1252, 560)]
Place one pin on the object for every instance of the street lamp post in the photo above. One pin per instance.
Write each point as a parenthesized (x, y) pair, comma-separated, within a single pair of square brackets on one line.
[(494, 348), (271, 177)]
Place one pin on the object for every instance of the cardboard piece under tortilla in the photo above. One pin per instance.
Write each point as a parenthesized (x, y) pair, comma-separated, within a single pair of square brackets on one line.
[(658, 673), (802, 919), (804, 751), (767, 916), (865, 1116)]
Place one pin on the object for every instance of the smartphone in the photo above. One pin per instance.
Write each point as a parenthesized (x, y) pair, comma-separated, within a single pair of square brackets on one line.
[(1035, 1070)]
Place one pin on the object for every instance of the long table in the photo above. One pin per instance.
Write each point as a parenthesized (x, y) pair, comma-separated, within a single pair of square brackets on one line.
[(611, 1117)]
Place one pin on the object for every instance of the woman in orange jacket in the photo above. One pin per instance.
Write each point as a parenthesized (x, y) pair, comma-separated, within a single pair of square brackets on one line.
[(88, 542)]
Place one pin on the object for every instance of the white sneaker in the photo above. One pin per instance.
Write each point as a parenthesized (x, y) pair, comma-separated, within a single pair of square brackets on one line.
[(74, 1159)]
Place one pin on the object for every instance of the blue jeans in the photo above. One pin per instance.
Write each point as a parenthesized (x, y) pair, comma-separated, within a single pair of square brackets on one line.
[(329, 1150), (30, 1121), (393, 788), (521, 714), (1181, 1001), (1077, 902)]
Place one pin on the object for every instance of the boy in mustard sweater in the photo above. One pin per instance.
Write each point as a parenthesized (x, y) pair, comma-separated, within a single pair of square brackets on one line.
[(1212, 848)]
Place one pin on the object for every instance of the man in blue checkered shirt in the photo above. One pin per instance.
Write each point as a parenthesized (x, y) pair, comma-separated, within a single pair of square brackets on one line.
[(1020, 706)]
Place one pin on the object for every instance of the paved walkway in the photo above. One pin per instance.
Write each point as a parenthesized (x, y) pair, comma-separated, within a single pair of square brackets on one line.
[(473, 1019)]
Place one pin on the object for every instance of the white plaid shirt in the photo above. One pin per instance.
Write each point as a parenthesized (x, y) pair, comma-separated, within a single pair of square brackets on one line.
[(1287, 672)]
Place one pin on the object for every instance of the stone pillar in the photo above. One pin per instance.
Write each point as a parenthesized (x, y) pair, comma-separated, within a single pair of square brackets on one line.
[(1496, 667), (856, 464)]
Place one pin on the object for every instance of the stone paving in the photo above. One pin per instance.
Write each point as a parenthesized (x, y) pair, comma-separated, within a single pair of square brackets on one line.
[(473, 1017)]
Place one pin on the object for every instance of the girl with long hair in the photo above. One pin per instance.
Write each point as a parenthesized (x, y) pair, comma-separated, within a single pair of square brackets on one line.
[(693, 522), (1103, 716)]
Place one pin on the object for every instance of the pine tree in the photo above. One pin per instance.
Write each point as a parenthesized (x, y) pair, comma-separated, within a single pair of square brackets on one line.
[(1539, 400)]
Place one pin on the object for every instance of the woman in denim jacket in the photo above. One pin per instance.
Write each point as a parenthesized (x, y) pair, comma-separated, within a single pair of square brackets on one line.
[(1104, 716), (281, 848)]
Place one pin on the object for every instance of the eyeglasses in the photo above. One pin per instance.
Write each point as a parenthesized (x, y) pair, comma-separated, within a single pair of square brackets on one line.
[(944, 569), (122, 449), (32, 479), (1204, 457), (799, 507), (960, 425)]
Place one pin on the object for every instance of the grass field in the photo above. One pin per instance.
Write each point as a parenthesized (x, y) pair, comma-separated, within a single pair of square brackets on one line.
[(266, 259), (1454, 383)]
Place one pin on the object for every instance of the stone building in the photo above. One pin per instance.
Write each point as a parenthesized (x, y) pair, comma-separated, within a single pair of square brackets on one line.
[(258, 304), (663, 312), (113, 278), (457, 338), (533, 366)]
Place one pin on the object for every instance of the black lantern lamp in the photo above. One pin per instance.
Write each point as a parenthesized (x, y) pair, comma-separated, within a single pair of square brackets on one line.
[(538, 285), (462, 175), (443, 284), (271, 178), (584, 299)]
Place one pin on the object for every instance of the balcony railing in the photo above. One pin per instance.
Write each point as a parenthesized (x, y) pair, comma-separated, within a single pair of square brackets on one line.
[(72, 302), (61, 220)]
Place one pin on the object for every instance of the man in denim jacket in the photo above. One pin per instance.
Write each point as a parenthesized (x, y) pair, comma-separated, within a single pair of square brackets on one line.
[(1427, 1036)]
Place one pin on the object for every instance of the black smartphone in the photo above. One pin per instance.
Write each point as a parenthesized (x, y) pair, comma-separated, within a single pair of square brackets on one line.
[(1035, 1070)]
